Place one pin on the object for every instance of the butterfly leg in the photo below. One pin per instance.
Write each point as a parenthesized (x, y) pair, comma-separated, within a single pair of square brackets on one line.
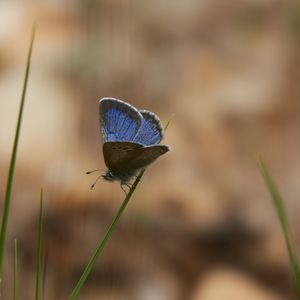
[(128, 185), (137, 178), (122, 187)]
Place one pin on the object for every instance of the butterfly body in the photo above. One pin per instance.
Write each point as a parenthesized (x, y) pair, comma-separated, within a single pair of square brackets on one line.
[(131, 139)]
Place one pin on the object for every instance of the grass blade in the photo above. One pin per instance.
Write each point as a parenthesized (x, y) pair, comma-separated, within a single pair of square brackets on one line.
[(169, 122), (39, 252), (281, 213), (107, 235), (10, 177), (15, 270)]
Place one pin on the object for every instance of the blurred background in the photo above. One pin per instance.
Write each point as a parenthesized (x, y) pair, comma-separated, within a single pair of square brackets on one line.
[(201, 225)]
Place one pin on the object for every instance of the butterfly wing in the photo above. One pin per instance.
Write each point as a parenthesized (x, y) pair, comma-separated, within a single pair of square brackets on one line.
[(115, 154), (119, 121), (141, 157), (151, 131)]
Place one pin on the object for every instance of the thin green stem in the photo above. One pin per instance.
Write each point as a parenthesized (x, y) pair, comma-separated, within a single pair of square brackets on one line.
[(282, 216), (15, 270), (10, 177), (107, 235), (169, 122), (39, 252)]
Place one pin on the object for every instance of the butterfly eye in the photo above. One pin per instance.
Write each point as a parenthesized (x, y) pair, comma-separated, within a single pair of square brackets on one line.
[(108, 175)]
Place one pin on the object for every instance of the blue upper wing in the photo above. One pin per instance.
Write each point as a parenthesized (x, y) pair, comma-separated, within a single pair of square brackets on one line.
[(119, 121), (151, 131)]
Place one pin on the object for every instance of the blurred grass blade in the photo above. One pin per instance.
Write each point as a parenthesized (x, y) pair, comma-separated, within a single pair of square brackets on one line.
[(39, 252), (169, 122), (13, 158), (44, 271), (15, 270), (280, 209), (107, 235)]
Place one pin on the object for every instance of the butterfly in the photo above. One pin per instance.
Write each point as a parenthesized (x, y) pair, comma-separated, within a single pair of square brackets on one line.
[(131, 139)]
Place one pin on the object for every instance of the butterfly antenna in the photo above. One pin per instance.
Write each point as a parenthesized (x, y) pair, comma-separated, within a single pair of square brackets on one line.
[(93, 171), (93, 185)]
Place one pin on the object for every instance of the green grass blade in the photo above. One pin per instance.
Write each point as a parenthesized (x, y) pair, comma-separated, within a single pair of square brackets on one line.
[(280, 209), (39, 252), (169, 122), (10, 177), (107, 235), (15, 270)]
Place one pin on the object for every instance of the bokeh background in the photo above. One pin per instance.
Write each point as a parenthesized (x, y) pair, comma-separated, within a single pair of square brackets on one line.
[(201, 225)]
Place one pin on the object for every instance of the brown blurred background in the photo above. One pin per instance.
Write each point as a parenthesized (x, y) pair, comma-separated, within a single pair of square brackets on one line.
[(201, 225)]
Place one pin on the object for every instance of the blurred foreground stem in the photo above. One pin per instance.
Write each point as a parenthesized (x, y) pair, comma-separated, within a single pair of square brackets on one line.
[(15, 270), (11, 171), (39, 251), (282, 216)]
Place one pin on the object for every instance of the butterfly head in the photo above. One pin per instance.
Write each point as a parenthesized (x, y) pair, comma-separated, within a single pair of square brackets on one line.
[(109, 176)]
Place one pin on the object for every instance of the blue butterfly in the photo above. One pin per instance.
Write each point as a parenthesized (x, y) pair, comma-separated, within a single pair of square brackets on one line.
[(131, 139)]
